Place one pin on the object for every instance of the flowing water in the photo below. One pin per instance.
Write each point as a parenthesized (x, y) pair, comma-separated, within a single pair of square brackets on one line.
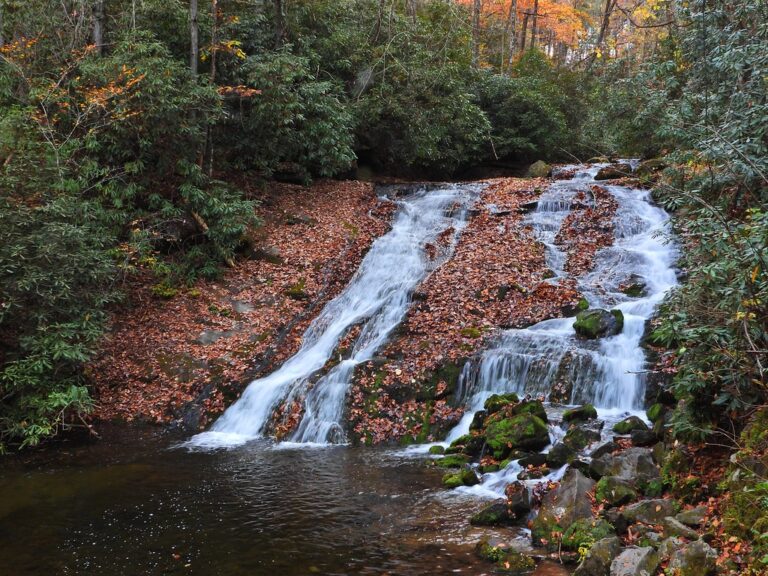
[(134, 504), (376, 300)]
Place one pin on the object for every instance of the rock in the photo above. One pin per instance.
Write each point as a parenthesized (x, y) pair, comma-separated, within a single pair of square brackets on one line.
[(696, 559), (267, 253), (649, 511), (436, 449), (598, 323), (563, 506), (650, 167), (533, 473), (633, 464), (536, 459), (478, 420), (634, 287), (598, 160), (469, 444), (579, 438), (452, 461), (668, 547), (560, 454), (643, 437), (603, 449), (580, 414), (498, 401), (635, 561), (614, 491), (518, 499), (693, 517), (614, 171), (629, 424), (515, 563), (533, 407), (539, 169), (526, 207), (466, 477), (492, 515), (673, 527), (524, 431), (300, 218), (598, 560), (584, 532)]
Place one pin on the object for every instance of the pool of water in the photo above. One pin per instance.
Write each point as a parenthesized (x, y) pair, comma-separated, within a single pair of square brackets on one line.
[(131, 504)]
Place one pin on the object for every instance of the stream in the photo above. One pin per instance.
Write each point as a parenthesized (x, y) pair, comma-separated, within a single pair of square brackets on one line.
[(232, 502)]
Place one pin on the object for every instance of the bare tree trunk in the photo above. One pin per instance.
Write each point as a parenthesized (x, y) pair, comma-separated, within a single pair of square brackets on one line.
[(477, 6), (279, 23), (98, 26), (524, 31), (194, 51), (2, 37), (410, 9), (535, 23), (609, 6), (512, 24)]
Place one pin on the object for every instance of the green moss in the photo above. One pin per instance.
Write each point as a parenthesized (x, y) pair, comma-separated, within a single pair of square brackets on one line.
[(515, 563), (164, 290), (452, 461), (628, 425), (654, 488), (585, 532), (499, 401), (578, 438), (533, 407), (488, 552), (436, 450), (655, 412), (523, 431), (471, 332), (298, 291), (583, 305), (614, 492), (619, 315), (452, 480)]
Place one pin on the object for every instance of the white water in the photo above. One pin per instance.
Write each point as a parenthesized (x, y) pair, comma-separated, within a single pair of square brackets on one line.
[(608, 372), (376, 299)]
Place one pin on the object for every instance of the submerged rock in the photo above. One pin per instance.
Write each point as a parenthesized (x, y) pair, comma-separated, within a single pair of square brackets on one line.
[(635, 562), (598, 323), (598, 560)]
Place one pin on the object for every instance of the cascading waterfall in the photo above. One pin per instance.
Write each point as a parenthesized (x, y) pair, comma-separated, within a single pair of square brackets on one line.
[(606, 372), (376, 299)]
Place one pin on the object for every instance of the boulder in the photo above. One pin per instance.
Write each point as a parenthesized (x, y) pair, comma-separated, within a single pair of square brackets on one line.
[(518, 500), (523, 431), (673, 527), (267, 253), (668, 547), (478, 420), (539, 169), (578, 438), (605, 448), (643, 437), (696, 559), (629, 424), (498, 401), (466, 477), (694, 517), (437, 449), (598, 560), (580, 414), (649, 511), (452, 461), (469, 444), (534, 407), (651, 167), (560, 454), (614, 171), (563, 506), (613, 491), (634, 287), (633, 464), (598, 323), (493, 515), (635, 561)]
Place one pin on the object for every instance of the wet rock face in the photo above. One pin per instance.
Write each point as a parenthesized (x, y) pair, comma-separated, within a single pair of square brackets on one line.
[(598, 323), (635, 562)]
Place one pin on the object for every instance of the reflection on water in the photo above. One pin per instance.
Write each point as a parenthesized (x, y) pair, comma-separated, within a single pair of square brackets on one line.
[(137, 507)]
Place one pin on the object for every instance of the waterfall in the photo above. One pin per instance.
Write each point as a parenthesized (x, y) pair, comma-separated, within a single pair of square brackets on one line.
[(376, 300), (607, 372)]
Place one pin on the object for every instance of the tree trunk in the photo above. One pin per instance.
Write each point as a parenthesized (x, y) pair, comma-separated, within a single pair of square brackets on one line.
[(477, 6), (194, 51), (2, 37), (535, 23), (512, 24), (524, 32), (609, 6), (410, 9), (98, 26), (279, 23)]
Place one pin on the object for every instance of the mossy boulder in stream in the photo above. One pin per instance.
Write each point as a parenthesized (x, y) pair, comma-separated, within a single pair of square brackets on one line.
[(580, 414), (498, 401), (539, 169), (452, 461), (598, 323), (578, 438), (466, 477), (507, 561), (522, 431), (469, 444), (562, 507), (629, 425)]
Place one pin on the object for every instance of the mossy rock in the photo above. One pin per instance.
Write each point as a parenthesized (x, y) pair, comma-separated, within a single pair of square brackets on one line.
[(580, 438), (598, 323), (436, 449), (560, 454), (539, 169), (585, 532), (493, 514), (523, 431), (582, 305), (533, 407), (613, 491), (498, 401), (478, 420), (507, 561), (471, 332), (634, 290), (298, 291), (629, 424), (580, 414), (452, 461), (655, 412), (471, 445), (466, 477), (614, 171)]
